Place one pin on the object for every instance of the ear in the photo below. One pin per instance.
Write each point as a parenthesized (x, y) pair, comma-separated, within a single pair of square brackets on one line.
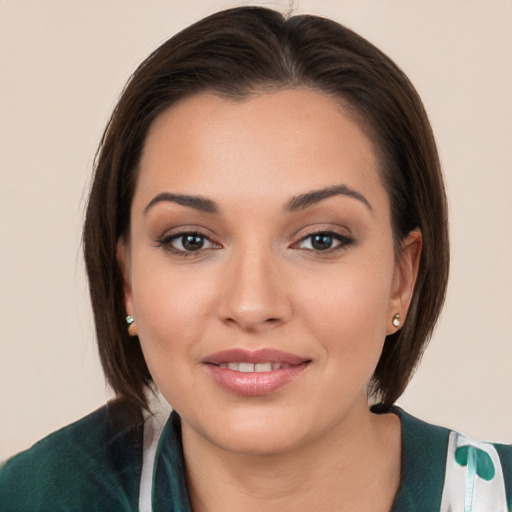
[(404, 279), (123, 260)]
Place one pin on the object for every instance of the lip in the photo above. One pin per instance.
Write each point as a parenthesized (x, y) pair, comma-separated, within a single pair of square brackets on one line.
[(254, 356), (255, 383)]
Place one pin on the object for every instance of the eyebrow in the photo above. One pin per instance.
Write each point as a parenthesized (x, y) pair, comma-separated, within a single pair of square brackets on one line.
[(311, 198), (197, 202), (296, 203)]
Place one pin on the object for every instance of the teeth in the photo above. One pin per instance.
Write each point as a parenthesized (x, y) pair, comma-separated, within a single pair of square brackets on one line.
[(246, 367), (250, 367), (263, 367)]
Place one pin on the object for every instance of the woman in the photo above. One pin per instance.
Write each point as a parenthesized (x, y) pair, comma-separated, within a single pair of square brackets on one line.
[(268, 217)]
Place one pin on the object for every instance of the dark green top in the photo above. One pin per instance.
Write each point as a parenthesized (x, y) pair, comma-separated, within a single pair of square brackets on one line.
[(95, 465)]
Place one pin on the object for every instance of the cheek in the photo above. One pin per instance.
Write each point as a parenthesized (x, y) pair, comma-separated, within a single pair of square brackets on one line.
[(171, 311), (349, 296), (170, 306), (347, 310)]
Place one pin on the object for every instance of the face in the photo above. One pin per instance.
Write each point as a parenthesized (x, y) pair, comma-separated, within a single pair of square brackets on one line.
[(260, 268)]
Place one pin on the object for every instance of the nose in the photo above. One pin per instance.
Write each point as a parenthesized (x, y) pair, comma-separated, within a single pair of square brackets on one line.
[(254, 296)]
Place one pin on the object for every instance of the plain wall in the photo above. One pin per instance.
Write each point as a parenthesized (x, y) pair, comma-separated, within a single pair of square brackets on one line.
[(63, 65)]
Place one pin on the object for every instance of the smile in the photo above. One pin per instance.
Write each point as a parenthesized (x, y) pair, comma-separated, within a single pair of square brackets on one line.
[(254, 373), (257, 367)]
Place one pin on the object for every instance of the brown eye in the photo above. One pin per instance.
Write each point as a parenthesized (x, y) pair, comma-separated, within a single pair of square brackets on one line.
[(192, 242), (324, 241), (186, 243)]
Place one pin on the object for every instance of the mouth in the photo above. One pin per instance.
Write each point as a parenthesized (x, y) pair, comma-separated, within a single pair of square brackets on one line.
[(255, 373), (254, 367)]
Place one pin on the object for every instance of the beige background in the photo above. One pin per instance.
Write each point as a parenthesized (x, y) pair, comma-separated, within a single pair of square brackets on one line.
[(63, 64)]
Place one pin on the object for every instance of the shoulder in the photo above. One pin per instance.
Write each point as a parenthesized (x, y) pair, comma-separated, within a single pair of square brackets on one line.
[(455, 469), (483, 470), (92, 464), (505, 455)]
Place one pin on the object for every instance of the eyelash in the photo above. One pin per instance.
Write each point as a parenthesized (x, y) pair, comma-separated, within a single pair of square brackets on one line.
[(167, 242), (343, 241)]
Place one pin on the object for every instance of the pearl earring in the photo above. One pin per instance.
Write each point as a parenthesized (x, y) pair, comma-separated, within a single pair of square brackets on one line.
[(130, 324), (396, 320)]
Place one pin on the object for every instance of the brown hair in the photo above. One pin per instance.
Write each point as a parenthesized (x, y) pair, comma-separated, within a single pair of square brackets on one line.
[(234, 53)]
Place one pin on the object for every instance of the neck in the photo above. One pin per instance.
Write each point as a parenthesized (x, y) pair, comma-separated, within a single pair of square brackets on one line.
[(355, 466)]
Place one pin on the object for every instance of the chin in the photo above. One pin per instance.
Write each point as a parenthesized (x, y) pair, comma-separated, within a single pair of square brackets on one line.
[(246, 432), (257, 443)]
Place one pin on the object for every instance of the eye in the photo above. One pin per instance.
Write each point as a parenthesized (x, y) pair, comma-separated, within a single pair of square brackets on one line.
[(186, 243), (324, 241)]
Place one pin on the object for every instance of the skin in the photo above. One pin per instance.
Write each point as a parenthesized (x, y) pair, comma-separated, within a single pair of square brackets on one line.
[(258, 282)]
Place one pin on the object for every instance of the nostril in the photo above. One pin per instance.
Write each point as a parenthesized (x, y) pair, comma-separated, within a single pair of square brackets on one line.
[(252, 322), (250, 305)]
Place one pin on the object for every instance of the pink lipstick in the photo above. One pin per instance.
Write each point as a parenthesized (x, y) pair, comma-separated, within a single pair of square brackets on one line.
[(254, 373)]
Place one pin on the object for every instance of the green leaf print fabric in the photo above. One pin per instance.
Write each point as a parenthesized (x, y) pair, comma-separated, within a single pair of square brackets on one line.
[(96, 464)]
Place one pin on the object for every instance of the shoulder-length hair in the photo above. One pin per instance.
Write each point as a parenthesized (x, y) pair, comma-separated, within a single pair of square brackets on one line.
[(235, 53)]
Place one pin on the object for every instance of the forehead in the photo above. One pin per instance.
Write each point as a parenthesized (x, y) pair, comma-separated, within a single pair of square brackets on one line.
[(288, 141)]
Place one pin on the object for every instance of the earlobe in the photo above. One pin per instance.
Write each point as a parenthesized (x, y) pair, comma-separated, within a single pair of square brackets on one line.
[(131, 326), (123, 260), (404, 279)]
